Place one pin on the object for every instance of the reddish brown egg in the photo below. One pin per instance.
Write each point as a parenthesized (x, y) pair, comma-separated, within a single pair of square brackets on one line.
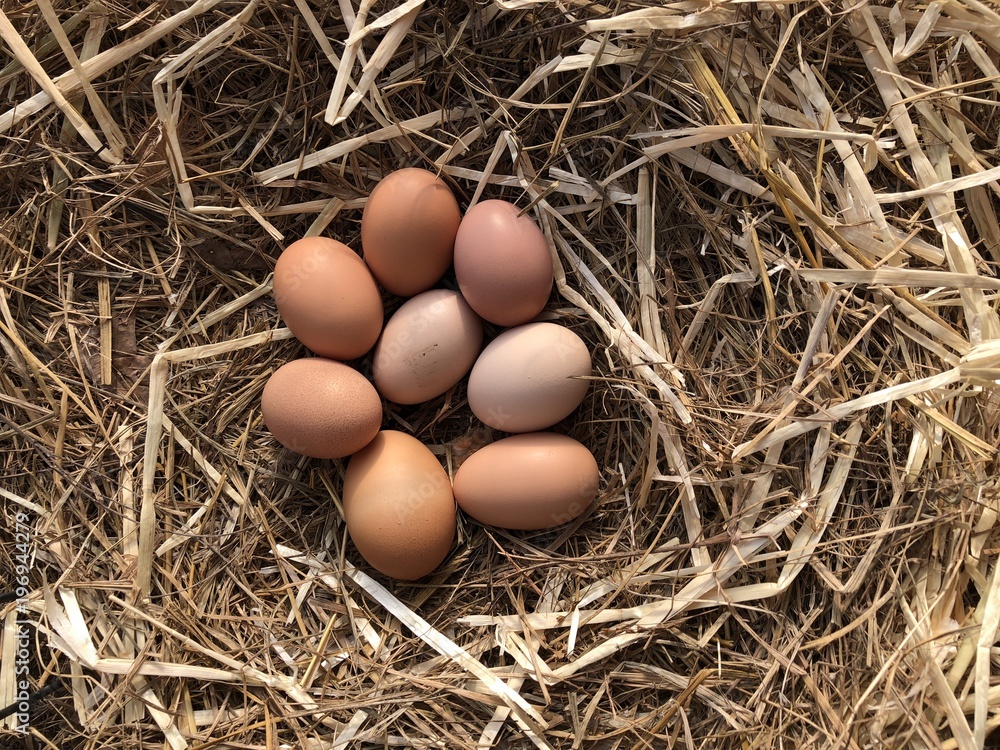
[(502, 263), (533, 481), (327, 297), (408, 231), (321, 408), (398, 506)]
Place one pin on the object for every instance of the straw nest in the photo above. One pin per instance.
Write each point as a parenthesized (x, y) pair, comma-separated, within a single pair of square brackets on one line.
[(775, 225)]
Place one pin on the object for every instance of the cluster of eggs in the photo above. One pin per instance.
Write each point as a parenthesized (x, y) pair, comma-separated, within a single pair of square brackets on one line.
[(399, 503)]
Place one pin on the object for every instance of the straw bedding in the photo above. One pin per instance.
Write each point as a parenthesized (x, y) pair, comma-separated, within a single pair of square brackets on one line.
[(774, 224)]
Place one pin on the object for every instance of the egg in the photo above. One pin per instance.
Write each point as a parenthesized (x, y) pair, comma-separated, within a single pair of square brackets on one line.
[(533, 481), (502, 263), (327, 297), (321, 408), (428, 345), (398, 506), (408, 231), (529, 378)]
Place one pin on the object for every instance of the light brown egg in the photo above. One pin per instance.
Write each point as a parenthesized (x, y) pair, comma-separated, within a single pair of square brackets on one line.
[(428, 345), (327, 297), (529, 378), (399, 507), (533, 481), (408, 231), (321, 408), (502, 263)]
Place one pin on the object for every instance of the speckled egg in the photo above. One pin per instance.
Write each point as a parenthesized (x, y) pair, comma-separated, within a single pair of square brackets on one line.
[(428, 345), (321, 408)]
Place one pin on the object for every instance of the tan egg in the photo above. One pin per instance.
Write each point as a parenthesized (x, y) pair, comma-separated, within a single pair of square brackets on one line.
[(529, 378), (428, 345), (502, 263), (321, 408), (398, 505), (327, 297), (408, 231), (533, 481)]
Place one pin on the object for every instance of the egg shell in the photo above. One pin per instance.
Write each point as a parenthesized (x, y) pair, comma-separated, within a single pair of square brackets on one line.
[(428, 345), (533, 481), (327, 297), (408, 230), (502, 263), (399, 507), (321, 408), (529, 377)]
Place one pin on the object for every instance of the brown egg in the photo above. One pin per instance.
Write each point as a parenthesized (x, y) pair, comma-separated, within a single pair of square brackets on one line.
[(502, 263), (428, 345), (529, 378), (321, 408), (408, 231), (533, 481), (398, 505), (327, 297)]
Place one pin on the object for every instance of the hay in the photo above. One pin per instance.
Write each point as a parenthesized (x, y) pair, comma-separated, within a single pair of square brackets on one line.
[(774, 223)]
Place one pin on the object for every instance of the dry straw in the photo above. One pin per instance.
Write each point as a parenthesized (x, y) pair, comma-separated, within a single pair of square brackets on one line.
[(774, 223)]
